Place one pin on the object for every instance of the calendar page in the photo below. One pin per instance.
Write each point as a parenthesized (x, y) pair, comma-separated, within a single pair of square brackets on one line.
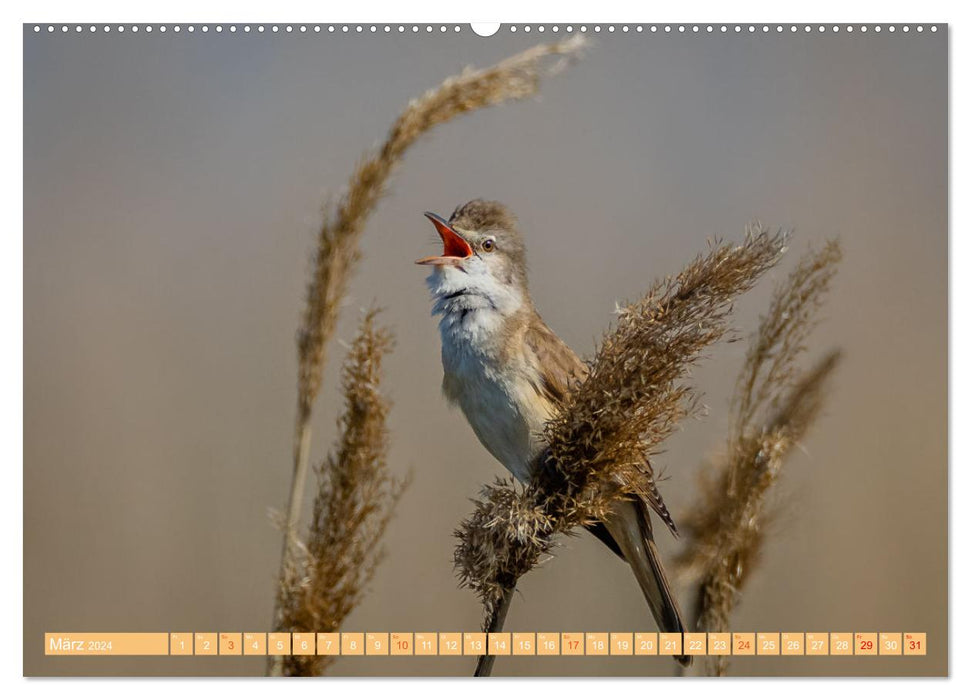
[(665, 395)]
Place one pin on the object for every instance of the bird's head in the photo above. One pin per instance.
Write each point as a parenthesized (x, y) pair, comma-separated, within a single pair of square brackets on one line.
[(483, 255)]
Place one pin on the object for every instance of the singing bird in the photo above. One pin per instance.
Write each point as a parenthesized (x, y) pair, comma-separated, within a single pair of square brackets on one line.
[(509, 373)]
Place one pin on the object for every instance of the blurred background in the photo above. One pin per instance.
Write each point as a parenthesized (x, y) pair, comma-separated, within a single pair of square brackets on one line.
[(173, 186)]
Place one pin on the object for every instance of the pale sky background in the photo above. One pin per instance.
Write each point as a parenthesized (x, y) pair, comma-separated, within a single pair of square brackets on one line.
[(173, 185)]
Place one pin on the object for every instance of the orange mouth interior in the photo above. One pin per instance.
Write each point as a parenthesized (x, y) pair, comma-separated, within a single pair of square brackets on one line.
[(454, 245), (456, 249)]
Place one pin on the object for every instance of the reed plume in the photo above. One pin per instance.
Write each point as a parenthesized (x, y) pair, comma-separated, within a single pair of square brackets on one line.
[(355, 499), (615, 419), (774, 406), (338, 251)]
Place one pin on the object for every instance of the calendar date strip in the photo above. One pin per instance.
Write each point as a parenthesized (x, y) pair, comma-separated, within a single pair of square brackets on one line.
[(479, 643)]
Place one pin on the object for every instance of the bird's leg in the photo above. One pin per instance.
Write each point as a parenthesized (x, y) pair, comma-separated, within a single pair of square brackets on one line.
[(495, 623)]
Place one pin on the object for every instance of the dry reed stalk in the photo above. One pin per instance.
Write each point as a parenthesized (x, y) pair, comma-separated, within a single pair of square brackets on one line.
[(355, 499), (338, 252), (774, 407), (599, 445)]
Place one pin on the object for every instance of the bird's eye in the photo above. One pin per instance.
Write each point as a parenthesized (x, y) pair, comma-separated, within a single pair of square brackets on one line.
[(488, 245)]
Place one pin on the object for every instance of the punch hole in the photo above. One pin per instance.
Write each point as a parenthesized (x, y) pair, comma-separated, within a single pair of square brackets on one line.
[(485, 28)]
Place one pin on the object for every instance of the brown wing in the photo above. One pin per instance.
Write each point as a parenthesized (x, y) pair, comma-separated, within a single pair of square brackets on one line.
[(560, 368), (560, 371)]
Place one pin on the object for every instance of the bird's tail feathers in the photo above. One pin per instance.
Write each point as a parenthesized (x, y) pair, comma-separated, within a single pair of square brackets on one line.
[(630, 527)]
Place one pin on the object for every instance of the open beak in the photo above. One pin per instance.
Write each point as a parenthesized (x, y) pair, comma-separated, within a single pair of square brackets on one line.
[(456, 249)]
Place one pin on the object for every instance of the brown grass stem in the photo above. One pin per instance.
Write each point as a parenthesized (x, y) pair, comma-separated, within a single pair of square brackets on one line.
[(355, 500), (494, 624), (775, 404)]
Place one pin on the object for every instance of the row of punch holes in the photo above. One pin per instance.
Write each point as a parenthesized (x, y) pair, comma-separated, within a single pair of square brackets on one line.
[(513, 28)]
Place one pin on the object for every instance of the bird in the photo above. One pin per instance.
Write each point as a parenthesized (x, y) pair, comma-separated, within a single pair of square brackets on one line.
[(509, 373)]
